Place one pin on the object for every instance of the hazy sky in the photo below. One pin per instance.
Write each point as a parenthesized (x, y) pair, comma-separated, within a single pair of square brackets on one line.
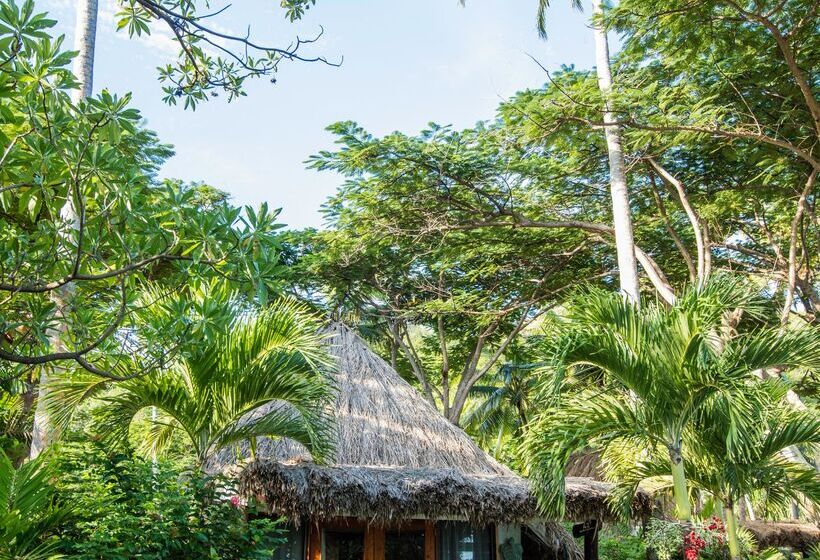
[(406, 63)]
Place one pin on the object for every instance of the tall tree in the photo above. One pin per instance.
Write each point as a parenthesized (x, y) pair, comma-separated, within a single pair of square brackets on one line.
[(619, 194), (402, 253), (130, 230), (85, 34)]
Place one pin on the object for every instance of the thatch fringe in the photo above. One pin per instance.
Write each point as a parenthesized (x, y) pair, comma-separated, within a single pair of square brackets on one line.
[(770, 534), (386, 495)]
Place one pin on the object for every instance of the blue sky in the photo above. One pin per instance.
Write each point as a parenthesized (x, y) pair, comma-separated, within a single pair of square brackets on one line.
[(406, 63)]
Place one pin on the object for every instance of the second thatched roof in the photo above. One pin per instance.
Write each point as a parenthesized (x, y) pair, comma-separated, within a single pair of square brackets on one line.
[(397, 458)]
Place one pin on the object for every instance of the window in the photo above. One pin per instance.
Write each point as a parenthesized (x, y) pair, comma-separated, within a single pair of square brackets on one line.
[(294, 548), (461, 541), (344, 545), (404, 545)]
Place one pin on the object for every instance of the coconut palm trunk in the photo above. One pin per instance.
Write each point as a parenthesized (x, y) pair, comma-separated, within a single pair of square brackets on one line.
[(85, 33), (621, 213)]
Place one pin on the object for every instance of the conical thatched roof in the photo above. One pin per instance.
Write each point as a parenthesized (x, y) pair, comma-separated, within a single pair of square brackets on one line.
[(396, 458)]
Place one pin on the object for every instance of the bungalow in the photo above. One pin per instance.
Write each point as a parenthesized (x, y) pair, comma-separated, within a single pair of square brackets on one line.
[(406, 483)]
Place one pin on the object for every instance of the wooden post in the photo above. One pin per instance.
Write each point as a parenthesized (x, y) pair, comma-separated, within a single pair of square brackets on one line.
[(589, 530), (374, 543), (429, 540)]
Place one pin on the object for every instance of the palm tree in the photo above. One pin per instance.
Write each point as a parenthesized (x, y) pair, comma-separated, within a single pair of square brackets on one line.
[(660, 369), (759, 464), (29, 514), (502, 405), (265, 376)]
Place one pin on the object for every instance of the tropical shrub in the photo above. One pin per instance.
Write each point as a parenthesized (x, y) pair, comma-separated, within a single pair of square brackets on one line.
[(702, 539), (129, 507), (623, 546), (653, 372), (30, 513)]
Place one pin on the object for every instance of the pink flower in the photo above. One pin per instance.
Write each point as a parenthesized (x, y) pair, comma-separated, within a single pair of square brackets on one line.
[(235, 501)]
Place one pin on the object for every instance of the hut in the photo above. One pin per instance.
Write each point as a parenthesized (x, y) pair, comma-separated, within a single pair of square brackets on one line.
[(406, 483)]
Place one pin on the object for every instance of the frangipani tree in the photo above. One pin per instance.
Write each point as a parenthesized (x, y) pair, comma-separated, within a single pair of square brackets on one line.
[(265, 376), (661, 369)]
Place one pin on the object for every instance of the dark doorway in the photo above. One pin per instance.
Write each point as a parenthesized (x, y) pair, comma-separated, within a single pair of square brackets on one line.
[(344, 545), (404, 545)]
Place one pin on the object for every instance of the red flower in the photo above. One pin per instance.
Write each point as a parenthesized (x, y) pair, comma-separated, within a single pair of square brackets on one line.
[(235, 501)]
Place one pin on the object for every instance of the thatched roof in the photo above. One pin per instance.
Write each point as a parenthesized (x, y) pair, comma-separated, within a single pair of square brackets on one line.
[(585, 464), (799, 536), (397, 458)]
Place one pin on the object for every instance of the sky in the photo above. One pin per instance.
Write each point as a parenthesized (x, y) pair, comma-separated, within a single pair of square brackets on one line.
[(406, 63)]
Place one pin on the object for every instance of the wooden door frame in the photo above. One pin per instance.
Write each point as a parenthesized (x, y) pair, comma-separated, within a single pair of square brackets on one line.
[(374, 536)]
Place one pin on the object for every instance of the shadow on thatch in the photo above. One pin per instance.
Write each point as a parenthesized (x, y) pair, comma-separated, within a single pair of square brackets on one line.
[(397, 458), (770, 534)]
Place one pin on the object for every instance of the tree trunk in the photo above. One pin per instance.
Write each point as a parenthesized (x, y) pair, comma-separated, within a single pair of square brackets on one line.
[(730, 522), (85, 38), (621, 213), (682, 508), (85, 33)]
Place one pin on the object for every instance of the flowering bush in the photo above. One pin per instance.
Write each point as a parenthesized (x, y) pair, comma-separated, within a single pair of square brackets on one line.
[(693, 543), (664, 539), (674, 541)]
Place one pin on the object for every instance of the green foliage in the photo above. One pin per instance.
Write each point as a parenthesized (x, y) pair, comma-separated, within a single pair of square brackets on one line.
[(622, 547), (664, 539), (659, 371), (264, 376), (211, 59), (131, 231), (30, 514), (133, 508), (422, 248), (13, 425), (500, 409)]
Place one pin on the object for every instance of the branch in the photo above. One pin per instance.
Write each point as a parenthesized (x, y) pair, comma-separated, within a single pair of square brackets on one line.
[(653, 271), (789, 57), (792, 274), (684, 252), (704, 263), (77, 354)]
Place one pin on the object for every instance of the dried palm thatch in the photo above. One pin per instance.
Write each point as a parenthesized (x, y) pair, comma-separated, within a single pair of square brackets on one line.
[(770, 534), (397, 458), (585, 464)]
